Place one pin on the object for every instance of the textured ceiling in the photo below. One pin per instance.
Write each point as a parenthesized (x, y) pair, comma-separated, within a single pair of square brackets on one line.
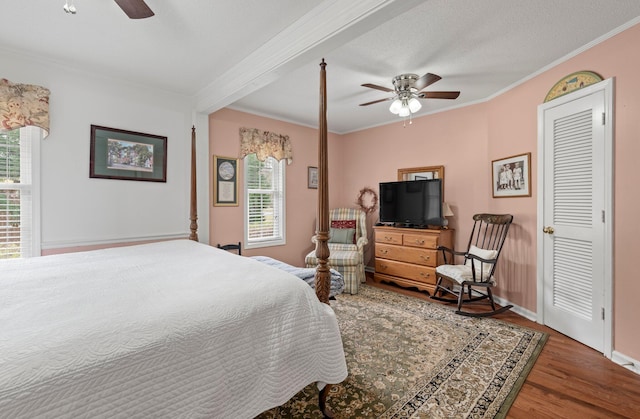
[(262, 56)]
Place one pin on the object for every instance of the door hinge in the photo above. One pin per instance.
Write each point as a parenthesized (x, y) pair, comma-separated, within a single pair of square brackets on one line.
[(603, 216), (604, 118), (602, 310)]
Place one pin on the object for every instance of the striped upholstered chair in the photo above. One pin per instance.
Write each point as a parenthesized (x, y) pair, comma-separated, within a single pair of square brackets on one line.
[(348, 236)]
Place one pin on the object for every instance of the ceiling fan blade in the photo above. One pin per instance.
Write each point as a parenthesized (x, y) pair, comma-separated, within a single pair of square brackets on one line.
[(438, 95), (375, 86), (135, 9), (426, 80), (376, 101)]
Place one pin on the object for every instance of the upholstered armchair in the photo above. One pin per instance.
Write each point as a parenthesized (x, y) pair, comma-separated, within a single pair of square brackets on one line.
[(347, 238)]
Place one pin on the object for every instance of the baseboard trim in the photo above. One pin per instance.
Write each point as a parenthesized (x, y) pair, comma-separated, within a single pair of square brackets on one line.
[(626, 361)]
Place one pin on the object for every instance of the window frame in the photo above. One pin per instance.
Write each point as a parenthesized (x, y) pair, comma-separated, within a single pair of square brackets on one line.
[(265, 242), (30, 139)]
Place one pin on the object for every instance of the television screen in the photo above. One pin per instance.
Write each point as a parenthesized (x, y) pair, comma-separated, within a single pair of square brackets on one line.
[(414, 203)]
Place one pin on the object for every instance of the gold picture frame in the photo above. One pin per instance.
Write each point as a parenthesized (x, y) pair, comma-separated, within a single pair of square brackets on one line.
[(225, 181)]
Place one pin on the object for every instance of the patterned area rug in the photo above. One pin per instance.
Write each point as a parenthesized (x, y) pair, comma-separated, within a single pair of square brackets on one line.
[(409, 358)]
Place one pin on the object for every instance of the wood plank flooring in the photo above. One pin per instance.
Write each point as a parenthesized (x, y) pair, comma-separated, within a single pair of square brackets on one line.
[(569, 379)]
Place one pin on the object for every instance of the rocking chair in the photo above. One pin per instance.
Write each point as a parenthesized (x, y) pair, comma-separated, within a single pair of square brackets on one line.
[(483, 250)]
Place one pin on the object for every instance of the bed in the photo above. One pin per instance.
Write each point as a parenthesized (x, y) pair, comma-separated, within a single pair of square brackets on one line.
[(306, 274), (169, 329), (228, 337)]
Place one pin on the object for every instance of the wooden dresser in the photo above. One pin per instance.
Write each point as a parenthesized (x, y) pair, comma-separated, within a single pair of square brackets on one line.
[(408, 256)]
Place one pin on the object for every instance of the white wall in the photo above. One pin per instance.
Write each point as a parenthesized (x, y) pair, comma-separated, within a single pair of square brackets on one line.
[(80, 211)]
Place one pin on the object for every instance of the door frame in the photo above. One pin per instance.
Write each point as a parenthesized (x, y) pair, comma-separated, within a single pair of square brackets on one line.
[(607, 86)]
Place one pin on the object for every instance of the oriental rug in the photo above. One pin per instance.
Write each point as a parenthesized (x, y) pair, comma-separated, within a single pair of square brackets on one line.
[(410, 358)]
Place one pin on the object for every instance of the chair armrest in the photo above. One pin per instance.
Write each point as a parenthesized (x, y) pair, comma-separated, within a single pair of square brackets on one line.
[(475, 257), (314, 239), (361, 242), (445, 250)]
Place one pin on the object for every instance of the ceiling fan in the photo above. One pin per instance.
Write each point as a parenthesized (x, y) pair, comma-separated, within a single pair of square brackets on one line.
[(407, 90), (135, 9)]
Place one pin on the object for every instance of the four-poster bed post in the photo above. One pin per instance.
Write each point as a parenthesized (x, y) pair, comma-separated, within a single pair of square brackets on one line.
[(323, 276), (194, 198)]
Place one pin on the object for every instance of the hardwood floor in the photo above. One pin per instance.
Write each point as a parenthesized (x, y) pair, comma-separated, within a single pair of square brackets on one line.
[(569, 379)]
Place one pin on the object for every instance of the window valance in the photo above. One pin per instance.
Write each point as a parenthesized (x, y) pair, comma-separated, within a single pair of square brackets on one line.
[(265, 144), (22, 105)]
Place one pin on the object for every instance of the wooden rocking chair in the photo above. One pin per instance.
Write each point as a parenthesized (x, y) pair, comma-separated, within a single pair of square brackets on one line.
[(483, 251)]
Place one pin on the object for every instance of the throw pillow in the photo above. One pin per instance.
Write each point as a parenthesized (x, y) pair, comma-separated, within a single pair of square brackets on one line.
[(484, 254), (341, 235), (342, 224)]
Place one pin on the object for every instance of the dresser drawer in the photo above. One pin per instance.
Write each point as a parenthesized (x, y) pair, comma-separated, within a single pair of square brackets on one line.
[(391, 237), (419, 273), (425, 257), (420, 240)]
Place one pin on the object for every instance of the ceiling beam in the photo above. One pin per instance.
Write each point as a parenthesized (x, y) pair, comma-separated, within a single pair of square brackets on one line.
[(329, 25)]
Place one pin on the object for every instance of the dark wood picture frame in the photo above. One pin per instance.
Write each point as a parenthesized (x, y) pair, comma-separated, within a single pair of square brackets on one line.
[(511, 176), (225, 181), (127, 155)]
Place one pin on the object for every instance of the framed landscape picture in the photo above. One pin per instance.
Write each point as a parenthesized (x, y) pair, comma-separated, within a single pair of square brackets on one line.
[(225, 181), (512, 176), (127, 155)]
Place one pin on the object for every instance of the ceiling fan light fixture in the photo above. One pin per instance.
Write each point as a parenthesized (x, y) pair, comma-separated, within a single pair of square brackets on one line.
[(404, 111), (395, 106), (414, 105)]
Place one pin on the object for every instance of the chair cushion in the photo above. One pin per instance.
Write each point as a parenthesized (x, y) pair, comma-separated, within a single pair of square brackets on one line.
[(461, 273), (341, 235), (484, 254)]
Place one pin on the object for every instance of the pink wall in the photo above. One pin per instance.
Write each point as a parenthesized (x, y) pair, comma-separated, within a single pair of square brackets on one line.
[(226, 223), (465, 141)]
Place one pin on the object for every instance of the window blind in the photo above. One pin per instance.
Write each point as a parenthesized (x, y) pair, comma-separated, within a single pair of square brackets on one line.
[(16, 192), (264, 192)]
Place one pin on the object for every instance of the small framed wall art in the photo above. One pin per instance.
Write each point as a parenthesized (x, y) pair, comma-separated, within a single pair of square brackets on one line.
[(127, 155), (512, 176), (312, 177), (225, 181)]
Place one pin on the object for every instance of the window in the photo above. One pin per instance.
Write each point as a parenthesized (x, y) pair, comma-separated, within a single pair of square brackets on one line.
[(264, 197), (19, 228)]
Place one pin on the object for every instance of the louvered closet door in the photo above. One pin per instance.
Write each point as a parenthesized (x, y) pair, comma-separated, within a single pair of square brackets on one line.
[(573, 209)]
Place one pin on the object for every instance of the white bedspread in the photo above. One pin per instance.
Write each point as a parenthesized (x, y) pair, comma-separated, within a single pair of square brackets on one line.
[(163, 330)]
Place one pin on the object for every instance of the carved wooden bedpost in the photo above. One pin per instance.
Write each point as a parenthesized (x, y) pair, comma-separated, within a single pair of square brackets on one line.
[(194, 197), (322, 277)]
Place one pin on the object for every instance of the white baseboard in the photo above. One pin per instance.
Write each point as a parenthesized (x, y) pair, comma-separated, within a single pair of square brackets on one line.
[(527, 314), (627, 362)]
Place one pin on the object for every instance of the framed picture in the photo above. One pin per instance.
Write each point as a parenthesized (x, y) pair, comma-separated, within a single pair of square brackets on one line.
[(312, 177), (225, 181), (512, 176), (127, 155)]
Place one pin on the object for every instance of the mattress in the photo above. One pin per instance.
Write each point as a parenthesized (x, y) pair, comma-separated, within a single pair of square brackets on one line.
[(171, 329)]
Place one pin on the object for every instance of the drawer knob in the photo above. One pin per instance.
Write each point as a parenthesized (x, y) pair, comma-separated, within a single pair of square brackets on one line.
[(424, 274), (425, 257), (384, 251), (387, 238), (419, 241), (383, 267)]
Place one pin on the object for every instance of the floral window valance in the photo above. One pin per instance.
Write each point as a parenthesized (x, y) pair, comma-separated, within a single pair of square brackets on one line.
[(265, 144), (22, 105)]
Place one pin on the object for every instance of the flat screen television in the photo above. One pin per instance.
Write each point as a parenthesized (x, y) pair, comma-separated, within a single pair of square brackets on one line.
[(412, 203)]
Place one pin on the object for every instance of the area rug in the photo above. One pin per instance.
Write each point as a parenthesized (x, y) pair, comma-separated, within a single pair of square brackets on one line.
[(410, 358)]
